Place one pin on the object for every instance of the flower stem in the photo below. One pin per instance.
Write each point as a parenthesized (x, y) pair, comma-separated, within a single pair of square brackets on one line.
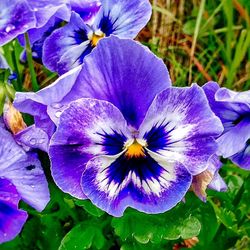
[(35, 85)]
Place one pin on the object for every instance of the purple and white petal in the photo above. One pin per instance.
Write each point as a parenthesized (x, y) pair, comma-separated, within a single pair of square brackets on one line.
[(180, 126), (149, 184), (122, 18), (87, 128), (66, 47), (12, 219), (242, 158), (16, 18)]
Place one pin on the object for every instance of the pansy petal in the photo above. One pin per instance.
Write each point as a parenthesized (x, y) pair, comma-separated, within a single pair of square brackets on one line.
[(242, 158), (45, 9), (46, 101), (87, 128), (234, 140), (33, 137), (10, 152), (229, 107), (24, 170), (11, 218), (149, 184), (180, 125), (86, 9), (16, 18), (124, 73), (123, 18), (66, 47)]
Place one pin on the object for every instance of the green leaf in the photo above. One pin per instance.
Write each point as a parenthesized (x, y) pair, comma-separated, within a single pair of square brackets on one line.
[(145, 228), (85, 235), (90, 208)]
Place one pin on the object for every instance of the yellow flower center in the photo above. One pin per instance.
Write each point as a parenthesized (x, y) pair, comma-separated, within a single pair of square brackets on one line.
[(135, 150), (96, 38)]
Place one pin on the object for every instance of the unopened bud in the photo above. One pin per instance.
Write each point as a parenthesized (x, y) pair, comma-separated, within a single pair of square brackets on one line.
[(13, 118)]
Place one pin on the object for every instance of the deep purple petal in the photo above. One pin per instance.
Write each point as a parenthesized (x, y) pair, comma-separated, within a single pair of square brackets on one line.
[(123, 18), (242, 158), (66, 47), (124, 73), (86, 9), (24, 170), (180, 125), (11, 218), (87, 128), (16, 18), (149, 184)]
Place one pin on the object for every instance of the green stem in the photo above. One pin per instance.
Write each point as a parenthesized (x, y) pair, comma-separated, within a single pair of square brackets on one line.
[(19, 84), (35, 85)]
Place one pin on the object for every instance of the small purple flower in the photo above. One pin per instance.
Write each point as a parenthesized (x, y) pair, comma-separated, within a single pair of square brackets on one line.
[(67, 46), (19, 16), (233, 109), (125, 137), (21, 177)]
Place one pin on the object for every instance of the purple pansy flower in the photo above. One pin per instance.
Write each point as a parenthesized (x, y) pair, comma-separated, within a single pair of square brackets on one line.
[(21, 177), (19, 16), (86, 8), (67, 46), (125, 137), (233, 109)]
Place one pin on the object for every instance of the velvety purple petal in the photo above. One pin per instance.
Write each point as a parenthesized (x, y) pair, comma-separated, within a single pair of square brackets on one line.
[(179, 125), (33, 137), (242, 158), (16, 18), (12, 219), (45, 9), (149, 184), (124, 73), (66, 47), (24, 170), (86, 9), (234, 140), (123, 18), (87, 128)]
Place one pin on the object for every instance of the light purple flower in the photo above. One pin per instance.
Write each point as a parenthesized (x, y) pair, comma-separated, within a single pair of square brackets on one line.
[(125, 137), (21, 177), (67, 46), (233, 108)]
